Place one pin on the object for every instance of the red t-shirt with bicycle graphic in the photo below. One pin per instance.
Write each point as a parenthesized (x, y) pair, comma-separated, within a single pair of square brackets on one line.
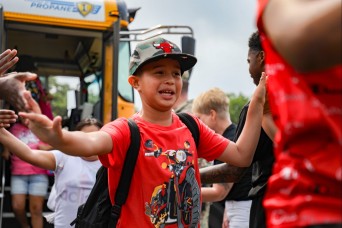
[(165, 187)]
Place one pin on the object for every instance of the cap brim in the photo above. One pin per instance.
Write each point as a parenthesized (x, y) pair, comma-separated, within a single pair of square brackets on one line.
[(186, 61)]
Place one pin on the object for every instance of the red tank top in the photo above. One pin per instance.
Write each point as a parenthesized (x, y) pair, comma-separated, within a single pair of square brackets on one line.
[(306, 186)]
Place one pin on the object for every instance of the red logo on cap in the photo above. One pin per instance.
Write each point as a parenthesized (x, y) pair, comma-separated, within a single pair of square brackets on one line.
[(165, 46)]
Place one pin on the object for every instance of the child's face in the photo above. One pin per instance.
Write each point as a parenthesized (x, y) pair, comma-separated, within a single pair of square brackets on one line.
[(160, 84), (255, 65)]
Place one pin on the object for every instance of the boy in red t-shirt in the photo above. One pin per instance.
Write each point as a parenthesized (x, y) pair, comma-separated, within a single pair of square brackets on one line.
[(165, 187)]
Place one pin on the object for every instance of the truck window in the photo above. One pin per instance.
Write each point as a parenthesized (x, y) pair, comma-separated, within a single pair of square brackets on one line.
[(125, 89)]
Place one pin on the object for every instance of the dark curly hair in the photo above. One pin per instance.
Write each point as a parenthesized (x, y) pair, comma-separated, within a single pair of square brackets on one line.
[(88, 122), (254, 42)]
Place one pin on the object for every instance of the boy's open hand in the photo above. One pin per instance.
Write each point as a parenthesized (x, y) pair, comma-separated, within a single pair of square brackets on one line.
[(46, 130), (260, 92), (7, 117)]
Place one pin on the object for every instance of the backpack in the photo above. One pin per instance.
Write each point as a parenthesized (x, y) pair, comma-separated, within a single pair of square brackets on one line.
[(97, 211)]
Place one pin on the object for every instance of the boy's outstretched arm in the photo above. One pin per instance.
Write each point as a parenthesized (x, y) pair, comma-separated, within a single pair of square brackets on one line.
[(241, 153), (42, 159), (74, 143)]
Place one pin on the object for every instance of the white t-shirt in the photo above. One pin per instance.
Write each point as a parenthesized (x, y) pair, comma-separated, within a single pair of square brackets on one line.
[(74, 179)]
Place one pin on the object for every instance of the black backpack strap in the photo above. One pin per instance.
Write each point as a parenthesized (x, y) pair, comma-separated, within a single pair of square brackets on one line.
[(189, 121), (126, 174)]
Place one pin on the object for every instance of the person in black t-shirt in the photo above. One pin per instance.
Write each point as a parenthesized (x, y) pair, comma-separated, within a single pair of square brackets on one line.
[(263, 158)]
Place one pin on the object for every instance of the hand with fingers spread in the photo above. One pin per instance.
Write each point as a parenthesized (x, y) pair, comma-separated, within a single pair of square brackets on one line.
[(7, 117), (267, 109), (12, 88), (7, 60)]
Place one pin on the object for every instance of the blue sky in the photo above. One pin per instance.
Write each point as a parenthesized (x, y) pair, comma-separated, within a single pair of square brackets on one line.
[(221, 29)]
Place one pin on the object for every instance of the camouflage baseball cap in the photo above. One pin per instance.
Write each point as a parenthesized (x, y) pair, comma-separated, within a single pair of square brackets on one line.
[(157, 48)]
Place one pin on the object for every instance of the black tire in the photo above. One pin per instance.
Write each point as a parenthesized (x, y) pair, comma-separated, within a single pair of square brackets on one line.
[(191, 190)]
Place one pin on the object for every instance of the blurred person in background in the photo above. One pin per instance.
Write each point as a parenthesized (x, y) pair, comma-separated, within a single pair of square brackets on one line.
[(302, 42), (263, 159)]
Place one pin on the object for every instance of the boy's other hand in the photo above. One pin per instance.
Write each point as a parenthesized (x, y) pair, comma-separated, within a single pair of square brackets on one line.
[(7, 117), (46, 130), (260, 92)]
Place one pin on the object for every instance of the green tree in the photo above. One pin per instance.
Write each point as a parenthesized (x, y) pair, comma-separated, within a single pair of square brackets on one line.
[(93, 98), (236, 104), (59, 101)]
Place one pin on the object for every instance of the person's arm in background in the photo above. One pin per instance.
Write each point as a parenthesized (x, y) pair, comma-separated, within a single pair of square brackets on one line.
[(215, 193), (6, 118), (221, 173), (40, 158), (315, 39)]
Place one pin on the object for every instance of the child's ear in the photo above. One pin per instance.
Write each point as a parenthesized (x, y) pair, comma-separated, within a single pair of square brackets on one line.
[(133, 81)]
